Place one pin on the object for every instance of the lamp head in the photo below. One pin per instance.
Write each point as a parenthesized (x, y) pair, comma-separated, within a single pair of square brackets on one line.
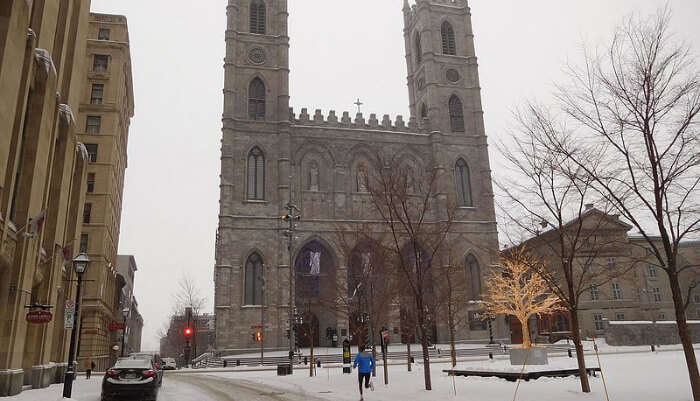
[(80, 263)]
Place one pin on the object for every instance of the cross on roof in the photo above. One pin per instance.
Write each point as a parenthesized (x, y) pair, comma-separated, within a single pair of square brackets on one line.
[(358, 103)]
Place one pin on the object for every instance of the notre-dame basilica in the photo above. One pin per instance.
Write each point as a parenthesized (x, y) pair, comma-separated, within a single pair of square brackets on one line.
[(269, 151)]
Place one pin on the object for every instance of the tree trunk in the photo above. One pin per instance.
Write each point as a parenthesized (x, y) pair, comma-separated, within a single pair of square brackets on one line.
[(426, 358), (580, 357), (311, 365), (451, 323), (527, 343), (684, 334), (408, 352)]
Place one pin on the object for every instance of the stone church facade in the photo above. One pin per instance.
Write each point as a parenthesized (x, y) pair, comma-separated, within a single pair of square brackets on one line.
[(268, 148)]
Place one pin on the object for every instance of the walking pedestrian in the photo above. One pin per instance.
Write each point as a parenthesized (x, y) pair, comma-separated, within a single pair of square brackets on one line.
[(366, 363), (90, 365)]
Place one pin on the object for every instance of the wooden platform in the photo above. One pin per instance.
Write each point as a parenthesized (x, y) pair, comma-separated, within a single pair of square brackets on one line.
[(514, 376)]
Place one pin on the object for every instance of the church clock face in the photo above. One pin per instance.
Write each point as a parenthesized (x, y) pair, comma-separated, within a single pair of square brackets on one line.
[(452, 76), (256, 55)]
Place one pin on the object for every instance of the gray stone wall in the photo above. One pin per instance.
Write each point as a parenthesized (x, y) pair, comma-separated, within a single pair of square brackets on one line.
[(646, 333)]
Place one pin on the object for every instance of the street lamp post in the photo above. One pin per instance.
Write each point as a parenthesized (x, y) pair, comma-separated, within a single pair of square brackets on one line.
[(125, 315), (80, 265), (291, 216)]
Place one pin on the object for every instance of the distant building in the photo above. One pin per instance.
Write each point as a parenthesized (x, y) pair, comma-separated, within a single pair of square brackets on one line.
[(172, 344), (106, 107), (641, 292), (126, 272)]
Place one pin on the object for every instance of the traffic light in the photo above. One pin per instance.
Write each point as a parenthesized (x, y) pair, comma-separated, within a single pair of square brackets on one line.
[(188, 332), (258, 336)]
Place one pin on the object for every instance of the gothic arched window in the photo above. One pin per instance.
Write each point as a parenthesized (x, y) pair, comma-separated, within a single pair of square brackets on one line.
[(423, 112), (254, 280), (257, 17), (474, 276), (456, 114), (256, 174), (449, 45), (256, 99), (419, 49), (464, 192)]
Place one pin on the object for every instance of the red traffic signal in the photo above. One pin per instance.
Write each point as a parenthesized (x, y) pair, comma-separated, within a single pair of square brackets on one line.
[(188, 332)]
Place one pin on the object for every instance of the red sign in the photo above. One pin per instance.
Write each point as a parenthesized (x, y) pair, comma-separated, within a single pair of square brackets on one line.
[(114, 326), (39, 316), (256, 327)]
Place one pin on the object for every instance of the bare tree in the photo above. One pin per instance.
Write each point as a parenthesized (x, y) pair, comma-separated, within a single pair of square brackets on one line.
[(418, 221), (550, 199), (636, 108)]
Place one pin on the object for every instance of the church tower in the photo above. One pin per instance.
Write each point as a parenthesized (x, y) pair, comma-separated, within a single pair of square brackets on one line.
[(443, 79)]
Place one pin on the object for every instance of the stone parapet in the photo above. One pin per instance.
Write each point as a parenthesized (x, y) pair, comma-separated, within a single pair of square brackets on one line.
[(345, 121)]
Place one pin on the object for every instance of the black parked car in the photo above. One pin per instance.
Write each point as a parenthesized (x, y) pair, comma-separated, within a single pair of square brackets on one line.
[(131, 378)]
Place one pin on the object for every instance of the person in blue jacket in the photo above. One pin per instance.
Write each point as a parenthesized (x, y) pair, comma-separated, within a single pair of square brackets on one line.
[(366, 363)]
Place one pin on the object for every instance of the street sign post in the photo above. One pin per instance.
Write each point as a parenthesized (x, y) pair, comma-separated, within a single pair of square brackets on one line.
[(69, 315), (347, 360)]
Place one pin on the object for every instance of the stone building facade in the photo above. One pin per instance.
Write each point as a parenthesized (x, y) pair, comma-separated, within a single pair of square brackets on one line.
[(42, 182), (639, 292), (106, 109), (268, 152), (126, 274)]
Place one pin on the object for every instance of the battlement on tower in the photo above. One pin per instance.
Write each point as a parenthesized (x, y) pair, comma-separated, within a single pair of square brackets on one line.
[(358, 122), (410, 10)]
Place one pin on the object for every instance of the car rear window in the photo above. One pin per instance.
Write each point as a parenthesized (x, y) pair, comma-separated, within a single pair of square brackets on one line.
[(133, 364)]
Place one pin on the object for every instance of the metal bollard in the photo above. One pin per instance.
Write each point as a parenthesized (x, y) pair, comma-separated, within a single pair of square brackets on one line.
[(318, 363), (238, 362), (306, 360), (569, 351)]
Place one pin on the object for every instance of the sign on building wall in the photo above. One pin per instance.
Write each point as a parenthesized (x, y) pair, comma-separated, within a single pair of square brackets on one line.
[(69, 320)]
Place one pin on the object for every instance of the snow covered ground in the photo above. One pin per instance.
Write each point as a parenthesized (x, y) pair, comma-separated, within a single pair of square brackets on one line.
[(630, 377)]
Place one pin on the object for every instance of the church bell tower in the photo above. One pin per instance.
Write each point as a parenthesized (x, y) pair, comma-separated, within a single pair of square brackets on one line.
[(443, 79)]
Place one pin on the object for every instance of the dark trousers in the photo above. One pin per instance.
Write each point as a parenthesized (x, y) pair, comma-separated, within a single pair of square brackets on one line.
[(88, 373), (366, 376)]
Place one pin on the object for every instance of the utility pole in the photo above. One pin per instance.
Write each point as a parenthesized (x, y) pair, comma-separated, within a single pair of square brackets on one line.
[(291, 216), (262, 321)]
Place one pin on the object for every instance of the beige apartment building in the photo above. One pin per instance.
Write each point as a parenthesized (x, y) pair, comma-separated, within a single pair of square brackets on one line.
[(42, 182), (640, 290), (106, 107), (50, 169)]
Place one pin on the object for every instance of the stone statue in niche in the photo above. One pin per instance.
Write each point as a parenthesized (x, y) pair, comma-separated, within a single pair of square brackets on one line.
[(361, 178), (313, 177)]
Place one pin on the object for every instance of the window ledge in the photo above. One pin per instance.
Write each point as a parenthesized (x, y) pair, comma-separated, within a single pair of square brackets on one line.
[(466, 207), (252, 306), (262, 201)]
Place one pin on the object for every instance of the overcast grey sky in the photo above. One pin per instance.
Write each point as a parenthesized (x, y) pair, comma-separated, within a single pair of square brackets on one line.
[(340, 50)]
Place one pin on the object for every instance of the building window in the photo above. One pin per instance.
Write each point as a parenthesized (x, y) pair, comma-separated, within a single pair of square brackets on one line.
[(651, 269), (254, 280), (100, 62), (419, 49), (83, 243), (92, 152), (662, 316), (657, 294), (598, 321), (256, 174), (97, 93), (612, 262), (463, 181), (256, 100), (474, 276), (93, 124), (449, 45), (696, 298), (103, 34), (456, 114), (87, 213), (620, 316), (91, 182), (257, 17), (423, 112), (616, 291), (595, 293)]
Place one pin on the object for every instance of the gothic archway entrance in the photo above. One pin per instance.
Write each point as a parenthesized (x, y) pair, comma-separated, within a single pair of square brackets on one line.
[(315, 292)]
